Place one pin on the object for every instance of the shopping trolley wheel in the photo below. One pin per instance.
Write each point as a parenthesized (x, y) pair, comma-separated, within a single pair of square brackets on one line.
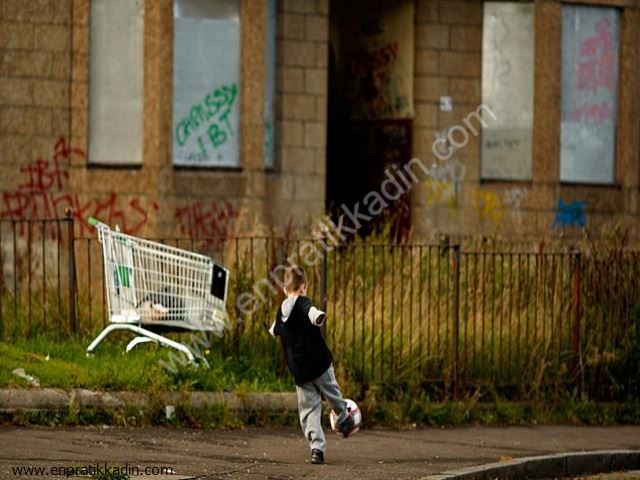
[(89, 354)]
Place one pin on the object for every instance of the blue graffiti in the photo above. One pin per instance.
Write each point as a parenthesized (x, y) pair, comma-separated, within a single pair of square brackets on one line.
[(570, 214)]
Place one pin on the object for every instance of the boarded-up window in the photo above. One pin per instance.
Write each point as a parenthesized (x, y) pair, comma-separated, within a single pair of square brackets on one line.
[(270, 85), (507, 89), (115, 82), (206, 83), (590, 41)]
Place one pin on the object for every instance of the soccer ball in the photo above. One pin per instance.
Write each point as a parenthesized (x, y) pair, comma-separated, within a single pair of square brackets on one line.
[(353, 410)]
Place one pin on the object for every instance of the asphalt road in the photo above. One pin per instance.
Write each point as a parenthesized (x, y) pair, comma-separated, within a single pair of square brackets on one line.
[(283, 453)]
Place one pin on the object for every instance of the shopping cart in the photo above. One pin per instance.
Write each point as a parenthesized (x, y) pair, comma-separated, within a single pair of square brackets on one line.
[(154, 289)]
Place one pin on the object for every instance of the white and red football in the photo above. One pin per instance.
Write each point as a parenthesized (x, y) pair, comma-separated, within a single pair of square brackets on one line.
[(354, 411)]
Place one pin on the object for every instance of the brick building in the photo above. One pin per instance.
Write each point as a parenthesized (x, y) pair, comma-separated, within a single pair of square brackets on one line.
[(218, 117)]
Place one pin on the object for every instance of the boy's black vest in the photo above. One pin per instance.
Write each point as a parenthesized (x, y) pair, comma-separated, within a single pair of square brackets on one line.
[(305, 350)]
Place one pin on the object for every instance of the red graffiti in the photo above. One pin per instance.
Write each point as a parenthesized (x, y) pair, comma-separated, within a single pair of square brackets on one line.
[(381, 58), (212, 221), (42, 195), (597, 67)]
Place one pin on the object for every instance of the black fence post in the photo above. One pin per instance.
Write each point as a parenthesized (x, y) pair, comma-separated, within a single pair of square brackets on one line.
[(281, 260), (456, 320), (72, 272), (577, 313), (323, 289)]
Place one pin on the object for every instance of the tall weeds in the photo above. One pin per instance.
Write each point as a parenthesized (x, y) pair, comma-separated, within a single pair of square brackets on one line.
[(390, 309)]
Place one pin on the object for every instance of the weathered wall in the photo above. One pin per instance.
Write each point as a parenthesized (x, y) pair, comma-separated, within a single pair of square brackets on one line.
[(44, 91), (449, 63), (44, 82), (301, 111)]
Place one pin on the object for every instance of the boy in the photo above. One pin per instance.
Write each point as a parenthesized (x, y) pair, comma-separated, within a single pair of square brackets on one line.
[(298, 324)]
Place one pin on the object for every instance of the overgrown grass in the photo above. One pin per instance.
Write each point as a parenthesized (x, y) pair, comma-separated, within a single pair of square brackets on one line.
[(65, 365), (521, 310)]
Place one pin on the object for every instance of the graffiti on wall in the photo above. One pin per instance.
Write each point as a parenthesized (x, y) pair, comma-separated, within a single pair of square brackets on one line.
[(42, 195), (513, 200), (596, 69), (210, 220), (590, 57), (488, 204), (376, 60), (570, 214), (207, 126), (442, 185)]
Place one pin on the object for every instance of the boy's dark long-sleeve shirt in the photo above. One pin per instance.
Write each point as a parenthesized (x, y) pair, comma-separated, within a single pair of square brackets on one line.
[(297, 323)]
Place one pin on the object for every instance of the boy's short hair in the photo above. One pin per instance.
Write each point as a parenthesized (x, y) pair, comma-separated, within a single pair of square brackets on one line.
[(294, 277)]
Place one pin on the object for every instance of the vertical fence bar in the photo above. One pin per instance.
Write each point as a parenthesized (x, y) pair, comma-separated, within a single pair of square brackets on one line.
[(364, 295), (429, 303), (384, 277), (72, 274), (483, 353), (373, 313), (59, 269), (343, 287), (438, 304), (518, 316), (323, 278), (89, 283), (456, 319), (543, 287), (465, 363), (354, 264), (561, 312), (613, 318), (241, 318), (393, 253), (420, 314), (2, 287), (534, 328), (509, 314), (29, 275), (15, 279), (402, 260), (493, 316), (474, 309), (403, 252), (411, 253), (500, 304), (334, 297), (575, 336), (448, 292), (551, 284)]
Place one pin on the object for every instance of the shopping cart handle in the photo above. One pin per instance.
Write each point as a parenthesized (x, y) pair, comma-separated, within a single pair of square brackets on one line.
[(93, 221)]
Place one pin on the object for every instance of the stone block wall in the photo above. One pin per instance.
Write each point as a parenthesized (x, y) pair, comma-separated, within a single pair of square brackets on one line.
[(301, 84)]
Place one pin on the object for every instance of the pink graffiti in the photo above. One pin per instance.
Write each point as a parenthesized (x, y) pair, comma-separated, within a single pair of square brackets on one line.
[(42, 195), (597, 67), (599, 113), (210, 221)]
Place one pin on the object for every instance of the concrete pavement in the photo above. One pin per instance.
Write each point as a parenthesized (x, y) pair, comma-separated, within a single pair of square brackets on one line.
[(283, 453)]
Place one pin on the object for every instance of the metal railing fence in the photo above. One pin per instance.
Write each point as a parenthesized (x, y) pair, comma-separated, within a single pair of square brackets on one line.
[(447, 317)]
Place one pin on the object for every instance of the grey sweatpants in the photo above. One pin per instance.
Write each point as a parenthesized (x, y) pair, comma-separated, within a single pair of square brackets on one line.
[(310, 396)]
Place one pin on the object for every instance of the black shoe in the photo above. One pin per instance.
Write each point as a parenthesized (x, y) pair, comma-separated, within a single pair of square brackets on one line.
[(348, 427), (317, 457)]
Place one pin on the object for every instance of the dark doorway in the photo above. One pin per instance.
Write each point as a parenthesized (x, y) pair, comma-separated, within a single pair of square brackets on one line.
[(370, 104)]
